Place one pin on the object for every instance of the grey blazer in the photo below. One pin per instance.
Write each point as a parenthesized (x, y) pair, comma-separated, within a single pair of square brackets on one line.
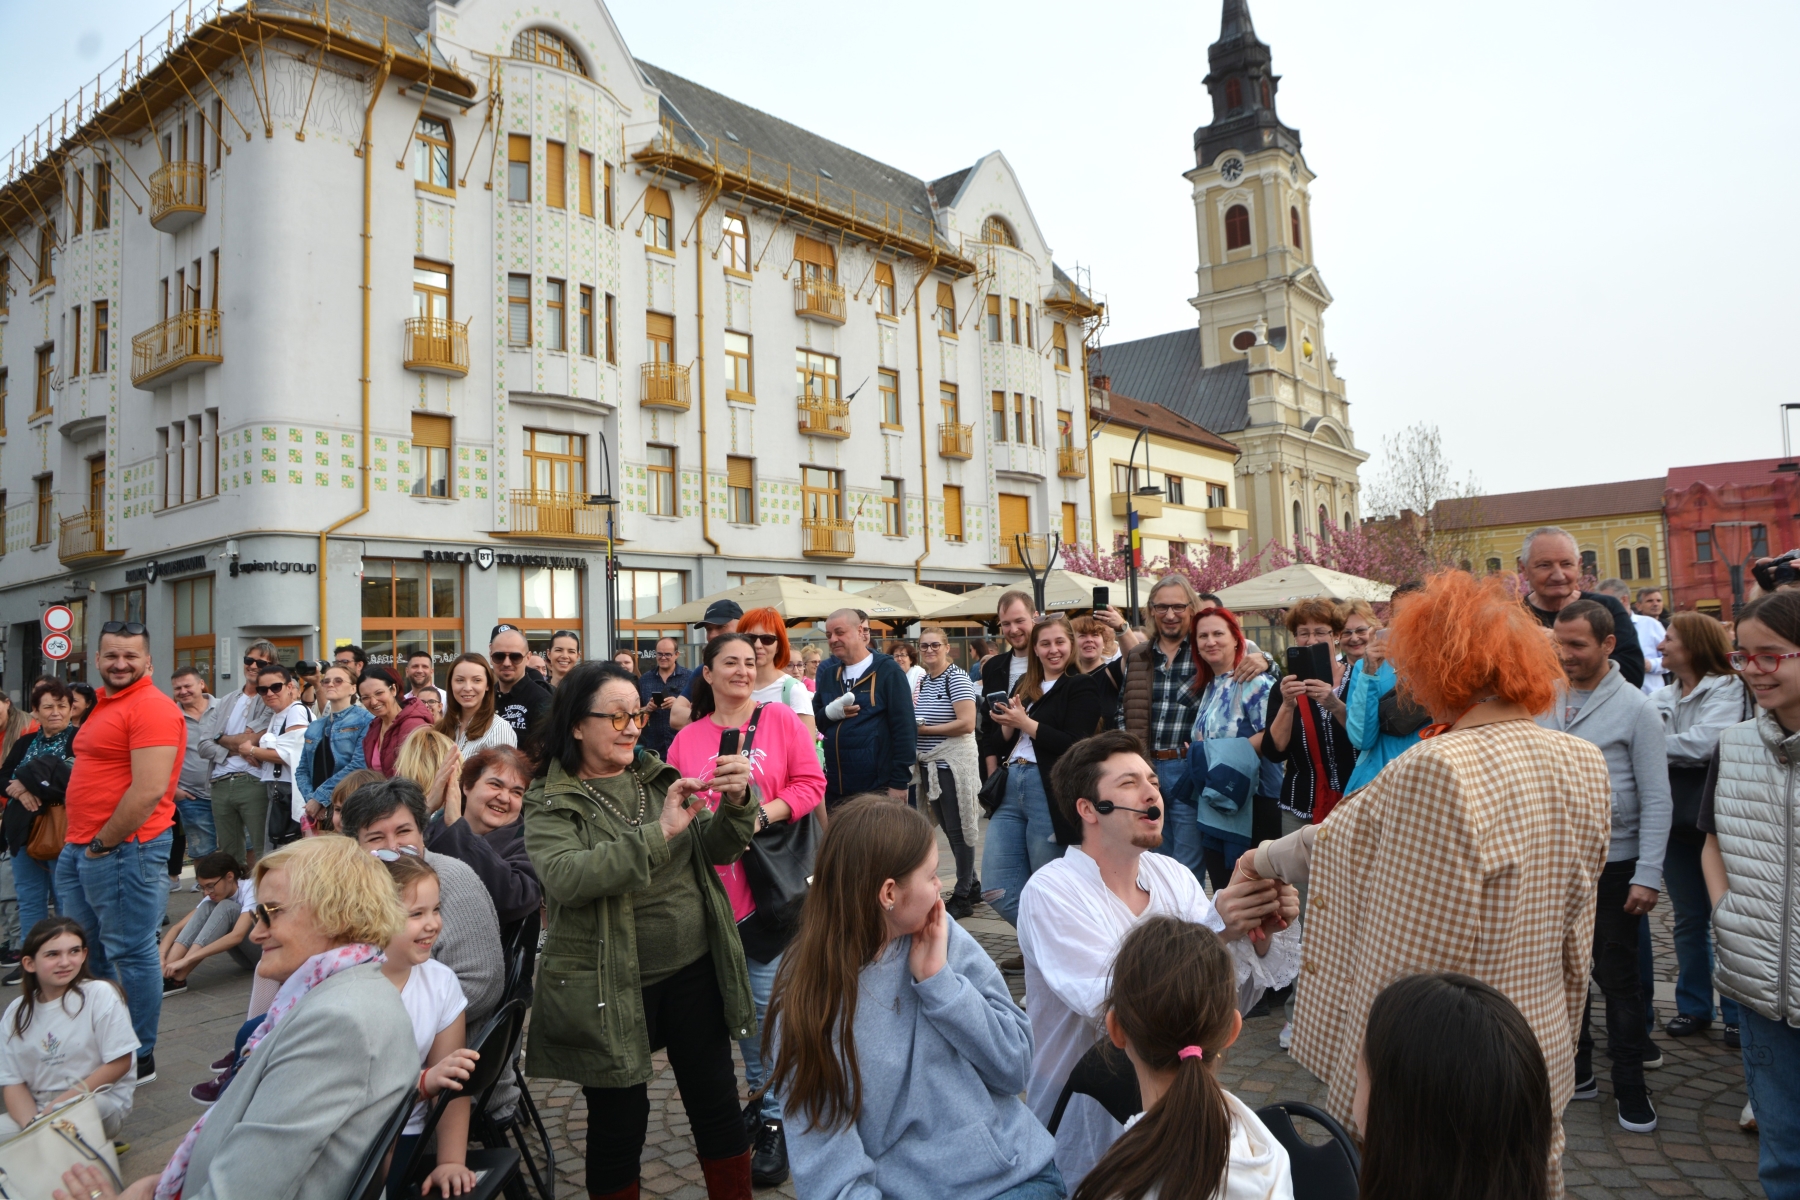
[(299, 1117)]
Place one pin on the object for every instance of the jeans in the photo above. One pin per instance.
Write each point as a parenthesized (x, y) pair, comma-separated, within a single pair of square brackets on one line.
[(1616, 972), (1181, 819), (197, 825), (36, 884), (762, 982), (1045, 1185), (120, 900), (1772, 1077), (962, 846), (1686, 889), (240, 805), (1020, 839)]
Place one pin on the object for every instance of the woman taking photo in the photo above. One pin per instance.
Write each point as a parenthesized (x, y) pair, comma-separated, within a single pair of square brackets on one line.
[(1051, 709), (328, 1064), (1706, 697), (949, 777), (788, 785), (626, 854), (899, 1053), (1229, 712), (334, 741), (34, 880), (392, 719), (1305, 725), (768, 633), (468, 718), (1097, 654)]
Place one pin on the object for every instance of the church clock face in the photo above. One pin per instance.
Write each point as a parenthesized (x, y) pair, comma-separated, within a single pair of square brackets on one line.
[(1231, 170)]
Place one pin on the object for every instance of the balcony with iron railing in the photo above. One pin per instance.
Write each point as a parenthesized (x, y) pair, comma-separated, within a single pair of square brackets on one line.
[(663, 385), (173, 349), (820, 299), (1037, 545), (1071, 462), (554, 516), (824, 418), (956, 441), (177, 195), (827, 537), (437, 346), (83, 537)]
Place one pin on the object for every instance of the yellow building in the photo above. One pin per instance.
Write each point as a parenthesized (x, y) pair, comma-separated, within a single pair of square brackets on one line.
[(1193, 469), (1618, 528)]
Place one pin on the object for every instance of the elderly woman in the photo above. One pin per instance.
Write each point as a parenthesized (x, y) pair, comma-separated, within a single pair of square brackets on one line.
[(642, 951), (394, 718), (478, 823), (327, 1065), (334, 741), (1304, 727), (1477, 851), (55, 736)]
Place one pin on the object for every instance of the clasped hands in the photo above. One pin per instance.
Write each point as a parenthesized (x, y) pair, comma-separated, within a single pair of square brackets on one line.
[(1255, 908)]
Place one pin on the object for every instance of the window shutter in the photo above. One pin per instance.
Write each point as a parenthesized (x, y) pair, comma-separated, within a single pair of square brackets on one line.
[(807, 250), (656, 203), (556, 175), (884, 274), (518, 148), (431, 430), (1059, 336), (946, 297), (585, 184), (659, 327), (739, 472)]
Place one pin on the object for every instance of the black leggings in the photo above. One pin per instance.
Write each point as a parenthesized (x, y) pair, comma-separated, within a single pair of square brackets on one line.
[(688, 1008), (949, 815)]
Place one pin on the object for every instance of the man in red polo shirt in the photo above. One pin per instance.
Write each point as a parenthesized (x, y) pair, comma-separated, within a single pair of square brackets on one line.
[(121, 801)]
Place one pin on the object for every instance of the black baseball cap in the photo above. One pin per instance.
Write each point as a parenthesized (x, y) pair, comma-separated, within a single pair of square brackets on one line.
[(502, 628), (721, 612)]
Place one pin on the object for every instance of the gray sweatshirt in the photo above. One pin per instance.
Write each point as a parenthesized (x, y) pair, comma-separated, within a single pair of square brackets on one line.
[(943, 1063), (1628, 728)]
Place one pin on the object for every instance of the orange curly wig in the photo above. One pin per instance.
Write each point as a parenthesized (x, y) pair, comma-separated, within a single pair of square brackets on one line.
[(1463, 639)]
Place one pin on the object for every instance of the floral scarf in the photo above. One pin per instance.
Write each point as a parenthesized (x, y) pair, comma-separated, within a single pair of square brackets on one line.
[(312, 973)]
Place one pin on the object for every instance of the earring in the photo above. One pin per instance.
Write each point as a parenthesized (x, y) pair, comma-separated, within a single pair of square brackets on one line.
[(889, 907)]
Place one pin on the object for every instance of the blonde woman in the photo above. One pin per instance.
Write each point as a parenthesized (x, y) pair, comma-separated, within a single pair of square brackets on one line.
[(429, 759)]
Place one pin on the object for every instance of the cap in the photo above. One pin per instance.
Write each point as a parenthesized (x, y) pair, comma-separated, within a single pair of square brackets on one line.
[(501, 628), (721, 612)]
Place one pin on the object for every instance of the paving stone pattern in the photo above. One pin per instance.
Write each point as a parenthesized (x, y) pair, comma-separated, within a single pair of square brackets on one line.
[(1697, 1150)]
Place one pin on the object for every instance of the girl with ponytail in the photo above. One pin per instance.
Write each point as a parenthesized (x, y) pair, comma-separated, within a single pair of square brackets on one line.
[(1173, 1010)]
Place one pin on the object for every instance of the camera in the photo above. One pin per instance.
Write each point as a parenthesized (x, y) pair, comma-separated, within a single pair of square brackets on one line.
[(1777, 572)]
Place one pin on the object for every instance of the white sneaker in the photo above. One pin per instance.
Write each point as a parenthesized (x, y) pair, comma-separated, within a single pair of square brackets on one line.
[(1287, 1034), (1747, 1119), (174, 883)]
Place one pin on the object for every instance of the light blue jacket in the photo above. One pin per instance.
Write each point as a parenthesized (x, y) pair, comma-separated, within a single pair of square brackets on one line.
[(943, 1063), (345, 728), (1374, 749)]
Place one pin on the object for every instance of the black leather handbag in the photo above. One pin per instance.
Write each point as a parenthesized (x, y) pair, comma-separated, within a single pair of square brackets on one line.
[(993, 791), (778, 863)]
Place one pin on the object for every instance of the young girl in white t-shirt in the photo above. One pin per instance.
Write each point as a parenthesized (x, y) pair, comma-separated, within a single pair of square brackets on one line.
[(67, 1033), (1173, 1010), (434, 1000)]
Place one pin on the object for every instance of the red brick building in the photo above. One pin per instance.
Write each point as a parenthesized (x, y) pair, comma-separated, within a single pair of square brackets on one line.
[(1722, 515)]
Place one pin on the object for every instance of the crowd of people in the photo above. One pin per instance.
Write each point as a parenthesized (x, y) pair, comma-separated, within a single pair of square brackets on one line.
[(1425, 835)]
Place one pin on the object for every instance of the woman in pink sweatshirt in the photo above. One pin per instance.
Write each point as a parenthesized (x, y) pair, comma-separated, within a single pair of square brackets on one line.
[(789, 785)]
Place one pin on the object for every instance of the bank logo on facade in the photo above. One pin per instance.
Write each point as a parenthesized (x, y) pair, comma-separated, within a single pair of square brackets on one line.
[(484, 557)]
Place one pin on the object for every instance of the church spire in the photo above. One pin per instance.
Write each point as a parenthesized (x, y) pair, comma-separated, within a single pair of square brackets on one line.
[(1242, 83)]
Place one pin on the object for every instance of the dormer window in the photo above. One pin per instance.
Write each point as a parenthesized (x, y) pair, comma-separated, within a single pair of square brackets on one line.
[(998, 232), (1237, 227), (1234, 94)]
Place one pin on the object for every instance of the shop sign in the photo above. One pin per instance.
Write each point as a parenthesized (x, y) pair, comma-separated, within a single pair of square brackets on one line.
[(485, 557), (151, 571), (278, 568)]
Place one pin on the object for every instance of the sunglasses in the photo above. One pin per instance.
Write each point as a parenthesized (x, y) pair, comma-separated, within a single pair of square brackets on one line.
[(764, 639), (265, 913), (250, 660), (269, 689), (619, 720), (507, 656), (388, 856), (128, 628)]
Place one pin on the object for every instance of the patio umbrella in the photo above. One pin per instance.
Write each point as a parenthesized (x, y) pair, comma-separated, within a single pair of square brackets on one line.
[(794, 599), (915, 596), (1301, 581), (1063, 591)]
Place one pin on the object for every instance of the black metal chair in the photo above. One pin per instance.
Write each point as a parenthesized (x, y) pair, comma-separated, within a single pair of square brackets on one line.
[(1327, 1172), (494, 1167), (502, 1132), (371, 1177), (1106, 1074), (521, 956)]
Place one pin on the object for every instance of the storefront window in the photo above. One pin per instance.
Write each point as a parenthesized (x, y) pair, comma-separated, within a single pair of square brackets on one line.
[(409, 606), (540, 600), (643, 594), (194, 641)]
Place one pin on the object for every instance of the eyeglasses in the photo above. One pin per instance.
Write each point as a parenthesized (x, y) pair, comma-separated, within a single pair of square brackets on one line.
[(665, 654), (1164, 610), (507, 656), (128, 628), (931, 645), (1765, 664), (619, 720), (388, 856), (266, 913), (269, 689), (764, 639)]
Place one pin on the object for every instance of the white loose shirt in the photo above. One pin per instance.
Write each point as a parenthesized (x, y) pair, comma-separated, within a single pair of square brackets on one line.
[(67, 1041), (1650, 635), (1070, 928)]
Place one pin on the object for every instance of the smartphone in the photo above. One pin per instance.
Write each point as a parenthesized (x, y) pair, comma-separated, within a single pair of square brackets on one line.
[(1310, 662), (656, 697), (1102, 597), (728, 742), (997, 699)]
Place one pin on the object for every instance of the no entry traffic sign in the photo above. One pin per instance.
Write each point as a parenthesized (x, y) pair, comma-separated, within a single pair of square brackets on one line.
[(57, 646), (58, 618)]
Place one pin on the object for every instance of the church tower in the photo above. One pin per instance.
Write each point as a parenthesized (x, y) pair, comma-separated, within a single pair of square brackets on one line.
[(1261, 301)]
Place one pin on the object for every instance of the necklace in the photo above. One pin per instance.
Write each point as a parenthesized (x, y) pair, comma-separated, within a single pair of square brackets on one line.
[(601, 798)]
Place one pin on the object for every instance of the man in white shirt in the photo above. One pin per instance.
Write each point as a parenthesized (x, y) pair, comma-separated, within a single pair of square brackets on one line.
[(1650, 634), (421, 678), (240, 802), (1076, 911)]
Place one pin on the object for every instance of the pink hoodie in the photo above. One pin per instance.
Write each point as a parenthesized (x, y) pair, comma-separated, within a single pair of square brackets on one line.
[(782, 764)]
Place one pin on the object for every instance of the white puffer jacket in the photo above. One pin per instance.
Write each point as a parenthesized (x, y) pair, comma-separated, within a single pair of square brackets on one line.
[(1757, 924)]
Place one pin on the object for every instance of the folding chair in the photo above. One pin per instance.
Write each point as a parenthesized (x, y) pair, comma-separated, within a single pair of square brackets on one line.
[(501, 1133), (371, 1177), (1327, 1172), (494, 1167), (1106, 1074)]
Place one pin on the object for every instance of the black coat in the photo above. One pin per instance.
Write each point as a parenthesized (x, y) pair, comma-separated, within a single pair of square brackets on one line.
[(1070, 712), (990, 739)]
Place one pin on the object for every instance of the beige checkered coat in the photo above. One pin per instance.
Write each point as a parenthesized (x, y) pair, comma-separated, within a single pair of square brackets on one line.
[(1476, 851)]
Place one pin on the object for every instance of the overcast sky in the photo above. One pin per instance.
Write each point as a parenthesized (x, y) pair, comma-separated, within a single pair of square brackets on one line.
[(1563, 231)]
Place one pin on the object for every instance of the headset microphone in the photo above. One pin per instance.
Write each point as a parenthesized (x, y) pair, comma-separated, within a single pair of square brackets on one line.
[(1103, 807)]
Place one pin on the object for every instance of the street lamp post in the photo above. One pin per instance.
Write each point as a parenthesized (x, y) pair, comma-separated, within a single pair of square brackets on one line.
[(1133, 543), (610, 503)]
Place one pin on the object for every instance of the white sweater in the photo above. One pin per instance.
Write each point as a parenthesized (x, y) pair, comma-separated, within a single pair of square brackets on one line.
[(1258, 1168)]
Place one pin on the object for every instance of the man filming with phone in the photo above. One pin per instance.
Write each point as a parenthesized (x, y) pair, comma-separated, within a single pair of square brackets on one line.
[(658, 690)]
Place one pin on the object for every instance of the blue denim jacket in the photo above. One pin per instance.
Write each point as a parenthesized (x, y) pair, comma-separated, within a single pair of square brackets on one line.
[(345, 729)]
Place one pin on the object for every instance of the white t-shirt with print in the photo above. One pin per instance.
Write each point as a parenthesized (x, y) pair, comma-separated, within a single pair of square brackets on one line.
[(433, 998), (69, 1040), (786, 690)]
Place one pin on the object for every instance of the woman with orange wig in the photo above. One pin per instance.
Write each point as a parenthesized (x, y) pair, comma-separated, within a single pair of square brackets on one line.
[(768, 633), (1476, 851)]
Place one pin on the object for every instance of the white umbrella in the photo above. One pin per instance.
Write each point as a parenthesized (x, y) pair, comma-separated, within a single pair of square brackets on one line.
[(794, 599), (905, 594), (1301, 581)]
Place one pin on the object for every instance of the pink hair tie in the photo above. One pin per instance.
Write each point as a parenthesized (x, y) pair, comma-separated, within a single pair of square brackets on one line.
[(1190, 1052)]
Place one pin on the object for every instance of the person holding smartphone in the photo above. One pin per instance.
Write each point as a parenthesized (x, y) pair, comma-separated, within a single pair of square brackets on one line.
[(658, 690), (1305, 728)]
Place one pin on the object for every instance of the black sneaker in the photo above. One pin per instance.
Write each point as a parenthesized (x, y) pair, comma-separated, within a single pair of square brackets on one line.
[(959, 908), (146, 1067), (1653, 1057), (1636, 1113), (769, 1158), (172, 987), (10, 956), (1586, 1086), (1732, 1040), (1685, 1026), (12, 977)]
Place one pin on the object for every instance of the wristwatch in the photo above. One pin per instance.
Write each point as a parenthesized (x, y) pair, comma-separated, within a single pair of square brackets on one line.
[(100, 849)]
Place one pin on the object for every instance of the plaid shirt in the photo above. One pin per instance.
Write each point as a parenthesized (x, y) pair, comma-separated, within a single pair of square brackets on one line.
[(1172, 701)]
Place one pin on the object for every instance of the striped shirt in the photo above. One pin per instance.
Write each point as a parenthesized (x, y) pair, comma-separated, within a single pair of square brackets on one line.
[(934, 703)]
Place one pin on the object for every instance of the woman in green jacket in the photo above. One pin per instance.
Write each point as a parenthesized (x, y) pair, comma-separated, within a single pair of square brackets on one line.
[(642, 952)]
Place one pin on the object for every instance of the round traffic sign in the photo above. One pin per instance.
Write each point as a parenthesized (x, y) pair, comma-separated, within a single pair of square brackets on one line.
[(57, 646), (58, 618)]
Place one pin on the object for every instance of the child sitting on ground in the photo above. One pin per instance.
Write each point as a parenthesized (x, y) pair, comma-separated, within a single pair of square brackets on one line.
[(1173, 1010), (66, 1033), (220, 923)]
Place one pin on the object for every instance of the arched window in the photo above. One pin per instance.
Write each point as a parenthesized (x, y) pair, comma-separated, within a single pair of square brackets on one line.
[(1237, 227), (997, 231), (1324, 524), (1234, 94), (431, 153), (1298, 527), (1265, 94), (736, 243), (1346, 523), (1294, 219), (542, 46)]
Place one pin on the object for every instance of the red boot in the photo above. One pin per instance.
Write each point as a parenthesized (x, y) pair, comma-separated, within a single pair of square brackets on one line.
[(727, 1178), (629, 1192)]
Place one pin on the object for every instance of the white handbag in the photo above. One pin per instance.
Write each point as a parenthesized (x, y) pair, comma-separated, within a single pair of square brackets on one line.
[(33, 1162)]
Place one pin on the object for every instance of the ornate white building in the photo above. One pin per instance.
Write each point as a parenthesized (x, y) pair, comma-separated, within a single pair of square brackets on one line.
[(345, 325)]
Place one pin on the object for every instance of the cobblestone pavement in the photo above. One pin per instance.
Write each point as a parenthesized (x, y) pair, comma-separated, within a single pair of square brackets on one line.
[(1697, 1149)]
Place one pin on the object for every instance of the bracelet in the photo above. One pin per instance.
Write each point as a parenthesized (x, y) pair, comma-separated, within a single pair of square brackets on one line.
[(423, 1094), (762, 817)]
